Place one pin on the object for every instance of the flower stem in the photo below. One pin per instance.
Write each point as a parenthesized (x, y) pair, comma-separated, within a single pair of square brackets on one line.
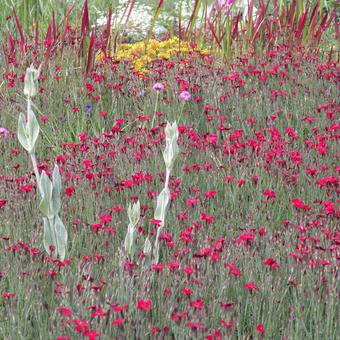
[(156, 108)]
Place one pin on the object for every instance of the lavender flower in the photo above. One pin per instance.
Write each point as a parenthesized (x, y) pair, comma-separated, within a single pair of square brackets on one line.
[(158, 87), (185, 95), (4, 133), (88, 110)]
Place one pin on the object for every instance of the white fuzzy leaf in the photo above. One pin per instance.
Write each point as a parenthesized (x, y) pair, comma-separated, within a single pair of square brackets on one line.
[(22, 133), (61, 237), (46, 200), (33, 129), (162, 204)]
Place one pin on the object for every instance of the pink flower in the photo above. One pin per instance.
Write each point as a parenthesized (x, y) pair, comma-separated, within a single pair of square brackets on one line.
[(4, 133), (224, 3), (185, 95), (158, 87)]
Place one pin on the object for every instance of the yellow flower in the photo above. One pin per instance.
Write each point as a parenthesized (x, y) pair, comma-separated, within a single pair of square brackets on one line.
[(141, 54)]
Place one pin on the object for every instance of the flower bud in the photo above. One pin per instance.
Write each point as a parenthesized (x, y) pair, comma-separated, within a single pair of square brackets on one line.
[(31, 81), (134, 213), (147, 247)]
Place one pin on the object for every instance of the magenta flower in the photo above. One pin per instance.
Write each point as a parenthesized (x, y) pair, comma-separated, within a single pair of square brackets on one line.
[(224, 3)]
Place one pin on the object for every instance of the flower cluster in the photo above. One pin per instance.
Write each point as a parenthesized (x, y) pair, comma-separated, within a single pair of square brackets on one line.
[(142, 54)]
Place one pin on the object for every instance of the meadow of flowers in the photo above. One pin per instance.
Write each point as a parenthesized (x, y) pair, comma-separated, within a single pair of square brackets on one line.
[(171, 191)]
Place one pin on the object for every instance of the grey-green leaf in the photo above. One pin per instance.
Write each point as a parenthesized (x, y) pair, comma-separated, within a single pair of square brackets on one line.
[(45, 203), (49, 238), (33, 129), (61, 237), (22, 134), (162, 204), (56, 184)]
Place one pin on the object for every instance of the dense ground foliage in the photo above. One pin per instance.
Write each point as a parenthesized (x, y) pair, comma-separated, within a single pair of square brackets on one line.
[(250, 246)]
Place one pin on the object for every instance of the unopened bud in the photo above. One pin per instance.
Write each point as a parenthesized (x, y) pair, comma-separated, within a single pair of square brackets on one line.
[(31, 81)]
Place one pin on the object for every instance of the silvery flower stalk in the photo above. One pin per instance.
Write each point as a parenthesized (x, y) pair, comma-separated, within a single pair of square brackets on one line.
[(169, 155), (55, 233)]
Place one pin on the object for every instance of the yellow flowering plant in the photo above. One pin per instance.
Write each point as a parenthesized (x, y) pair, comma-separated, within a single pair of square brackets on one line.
[(141, 54)]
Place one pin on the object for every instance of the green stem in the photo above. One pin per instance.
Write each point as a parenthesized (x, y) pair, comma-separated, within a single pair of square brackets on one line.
[(181, 113), (156, 108)]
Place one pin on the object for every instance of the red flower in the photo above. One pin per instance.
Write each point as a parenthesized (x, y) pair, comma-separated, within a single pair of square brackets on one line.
[(195, 325), (251, 286), (7, 295), (144, 304), (260, 328), (157, 267), (192, 201), (187, 291), (3, 202), (269, 194), (197, 304), (173, 265), (81, 325), (154, 330), (119, 321), (210, 194), (92, 334), (65, 311), (188, 270), (102, 114), (27, 188), (298, 204), (227, 324), (120, 308), (105, 218), (69, 191), (270, 262), (233, 270), (207, 218)]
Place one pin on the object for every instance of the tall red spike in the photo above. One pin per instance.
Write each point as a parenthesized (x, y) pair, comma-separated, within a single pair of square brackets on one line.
[(90, 53), (108, 33), (85, 22), (22, 37)]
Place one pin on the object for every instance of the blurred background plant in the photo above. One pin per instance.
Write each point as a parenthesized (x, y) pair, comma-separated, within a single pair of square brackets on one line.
[(229, 27)]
